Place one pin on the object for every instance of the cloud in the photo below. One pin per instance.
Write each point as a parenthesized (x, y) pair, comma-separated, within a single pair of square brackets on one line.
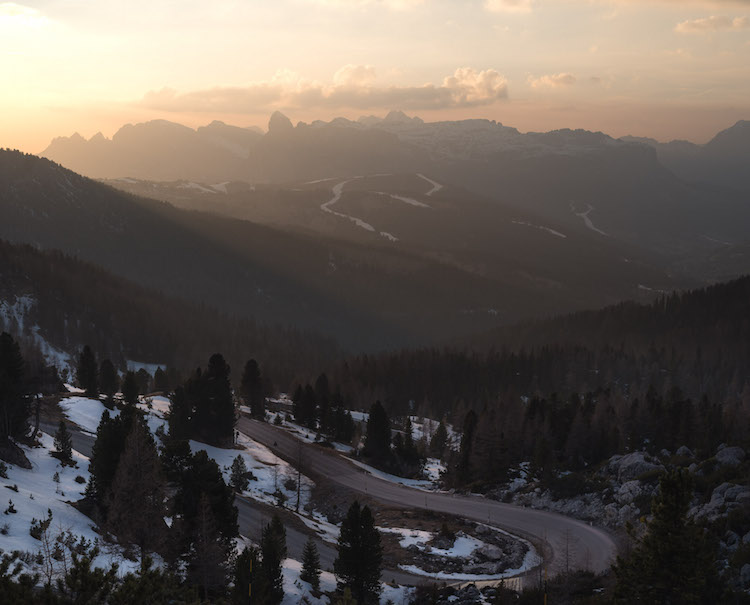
[(351, 88), (395, 5), (508, 6), (552, 80), (708, 25), (354, 75), (14, 15)]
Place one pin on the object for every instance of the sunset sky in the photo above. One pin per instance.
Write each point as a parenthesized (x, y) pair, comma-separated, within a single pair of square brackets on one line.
[(667, 69)]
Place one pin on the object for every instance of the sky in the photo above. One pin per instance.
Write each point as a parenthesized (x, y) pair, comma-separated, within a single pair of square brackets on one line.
[(661, 68)]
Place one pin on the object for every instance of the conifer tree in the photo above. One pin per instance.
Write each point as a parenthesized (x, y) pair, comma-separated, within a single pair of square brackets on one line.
[(180, 414), (378, 439), (279, 532), (238, 477), (245, 568), (214, 413), (64, 442), (87, 373), (105, 453), (161, 384), (136, 498), (251, 390), (674, 561), (209, 555), (323, 400), (203, 476), (269, 581), (439, 441), (14, 411), (130, 388), (108, 379), (360, 558), (311, 564)]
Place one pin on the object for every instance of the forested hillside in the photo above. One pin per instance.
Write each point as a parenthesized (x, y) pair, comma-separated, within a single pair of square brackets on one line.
[(68, 303)]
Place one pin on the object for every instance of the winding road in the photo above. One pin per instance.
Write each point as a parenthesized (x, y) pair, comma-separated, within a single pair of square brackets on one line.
[(560, 538)]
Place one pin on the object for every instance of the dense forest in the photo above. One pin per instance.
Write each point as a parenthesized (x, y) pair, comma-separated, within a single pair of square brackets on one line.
[(698, 341), (75, 303)]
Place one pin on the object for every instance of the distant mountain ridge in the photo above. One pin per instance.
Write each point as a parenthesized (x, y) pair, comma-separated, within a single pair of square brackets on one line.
[(724, 161), (366, 293)]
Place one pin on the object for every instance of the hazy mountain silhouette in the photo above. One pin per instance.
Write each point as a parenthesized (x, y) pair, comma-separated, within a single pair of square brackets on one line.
[(366, 293)]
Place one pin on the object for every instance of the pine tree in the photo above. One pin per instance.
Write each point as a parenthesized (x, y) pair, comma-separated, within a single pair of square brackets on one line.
[(378, 440), (251, 390), (180, 415), (674, 562), (136, 499), (323, 399), (14, 411), (238, 477), (270, 582), (108, 379), (105, 453), (64, 442), (311, 564), (439, 441), (209, 556), (87, 373), (360, 558), (203, 476), (214, 413), (279, 532), (245, 567), (161, 384), (130, 388)]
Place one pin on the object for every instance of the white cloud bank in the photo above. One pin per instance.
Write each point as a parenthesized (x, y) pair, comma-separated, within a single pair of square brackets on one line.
[(714, 23), (552, 80), (352, 87)]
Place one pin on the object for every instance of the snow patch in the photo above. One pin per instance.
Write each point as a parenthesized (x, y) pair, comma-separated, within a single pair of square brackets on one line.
[(435, 185)]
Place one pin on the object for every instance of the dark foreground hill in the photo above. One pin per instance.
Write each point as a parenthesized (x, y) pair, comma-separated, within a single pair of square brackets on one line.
[(57, 304)]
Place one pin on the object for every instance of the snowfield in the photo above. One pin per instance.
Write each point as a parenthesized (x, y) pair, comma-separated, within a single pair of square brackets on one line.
[(37, 493)]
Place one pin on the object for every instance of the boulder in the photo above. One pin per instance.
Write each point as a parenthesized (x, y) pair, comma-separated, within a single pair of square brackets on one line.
[(628, 492), (631, 466), (730, 456), (489, 552), (745, 575), (684, 452)]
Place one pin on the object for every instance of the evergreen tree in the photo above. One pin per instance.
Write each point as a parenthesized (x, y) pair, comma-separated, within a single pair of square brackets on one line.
[(203, 476), (378, 439), (311, 564), (269, 581), (439, 441), (130, 388), (87, 373), (143, 380), (467, 443), (245, 567), (251, 390), (105, 454), (238, 477), (674, 562), (14, 411), (153, 586), (309, 408), (161, 383), (209, 555), (180, 415), (214, 413), (360, 556), (136, 499), (323, 400), (279, 532), (108, 379), (64, 442), (297, 411)]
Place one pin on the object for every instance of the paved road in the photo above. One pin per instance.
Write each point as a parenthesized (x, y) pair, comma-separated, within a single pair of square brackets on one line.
[(586, 547), (252, 516)]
